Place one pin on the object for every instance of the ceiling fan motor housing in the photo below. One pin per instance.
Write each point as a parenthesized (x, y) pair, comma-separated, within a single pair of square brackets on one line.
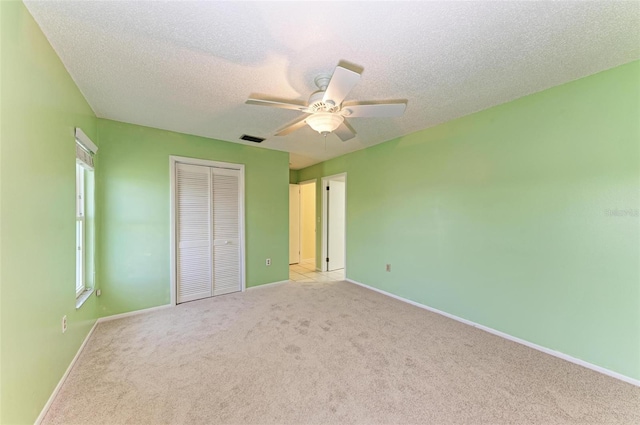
[(317, 105)]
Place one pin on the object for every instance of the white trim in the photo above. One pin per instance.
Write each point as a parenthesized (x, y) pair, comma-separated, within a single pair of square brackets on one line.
[(85, 141), (308, 182), (324, 182), (83, 297), (269, 284), (545, 350), (173, 160), (133, 313), (172, 232), (206, 162), (58, 387)]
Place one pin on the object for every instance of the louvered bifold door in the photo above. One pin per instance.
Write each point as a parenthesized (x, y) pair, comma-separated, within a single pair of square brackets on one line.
[(226, 230), (193, 210)]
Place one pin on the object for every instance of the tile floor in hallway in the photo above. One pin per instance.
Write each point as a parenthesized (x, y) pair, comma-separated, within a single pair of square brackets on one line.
[(305, 271)]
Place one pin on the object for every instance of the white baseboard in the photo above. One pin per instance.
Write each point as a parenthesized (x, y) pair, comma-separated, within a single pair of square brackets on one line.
[(133, 313), (47, 405), (268, 284), (546, 350)]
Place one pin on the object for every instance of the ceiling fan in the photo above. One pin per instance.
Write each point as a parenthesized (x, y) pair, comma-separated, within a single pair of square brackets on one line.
[(326, 112)]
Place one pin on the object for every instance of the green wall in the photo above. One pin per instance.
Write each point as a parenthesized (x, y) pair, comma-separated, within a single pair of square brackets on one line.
[(523, 217), (40, 106), (133, 200), (293, 176)]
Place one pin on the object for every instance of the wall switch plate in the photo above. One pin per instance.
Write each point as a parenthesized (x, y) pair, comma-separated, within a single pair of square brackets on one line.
[(64, 324), (268, 261), (98, 292), (388, 267)]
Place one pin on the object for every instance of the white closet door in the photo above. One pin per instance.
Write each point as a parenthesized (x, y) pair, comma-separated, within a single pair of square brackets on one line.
[(225, 200), (193, 209)]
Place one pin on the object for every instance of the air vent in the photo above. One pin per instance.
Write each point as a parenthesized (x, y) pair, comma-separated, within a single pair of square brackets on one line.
[(252, 138)]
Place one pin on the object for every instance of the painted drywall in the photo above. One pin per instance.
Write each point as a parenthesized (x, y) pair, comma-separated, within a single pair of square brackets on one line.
[(40, 106), (133, 201), (308, 221), (523, 217), (293, 176)]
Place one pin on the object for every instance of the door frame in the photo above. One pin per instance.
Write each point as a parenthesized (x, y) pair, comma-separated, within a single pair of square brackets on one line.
[(325, 180), (173, 161)]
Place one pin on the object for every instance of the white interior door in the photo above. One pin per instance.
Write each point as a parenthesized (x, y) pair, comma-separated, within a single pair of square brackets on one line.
[(294, 224), (193, 228), (209, 257), (336, 225), (225, 230)]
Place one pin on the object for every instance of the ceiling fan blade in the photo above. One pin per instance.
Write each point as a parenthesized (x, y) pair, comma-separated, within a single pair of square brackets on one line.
[(374, 109), (277, 103), (345, 131), (299, 123), (342, 82)]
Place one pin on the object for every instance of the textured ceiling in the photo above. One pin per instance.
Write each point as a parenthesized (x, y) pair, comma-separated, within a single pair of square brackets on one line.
[(189, 66)]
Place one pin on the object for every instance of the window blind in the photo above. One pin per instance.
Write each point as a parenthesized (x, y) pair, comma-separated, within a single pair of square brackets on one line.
[(85, 149), (84, 157)]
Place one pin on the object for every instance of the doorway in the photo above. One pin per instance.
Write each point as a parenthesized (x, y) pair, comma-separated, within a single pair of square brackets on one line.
[(302, 224), (308, 222), (294, 224), (334, 200)]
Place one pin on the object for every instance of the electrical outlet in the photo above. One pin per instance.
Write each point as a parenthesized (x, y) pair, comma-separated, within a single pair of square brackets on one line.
[(64, 324), (98, 292), (388, 267), (268, 261)]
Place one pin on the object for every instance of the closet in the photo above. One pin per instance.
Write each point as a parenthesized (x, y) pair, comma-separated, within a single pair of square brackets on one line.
[(208, 211)]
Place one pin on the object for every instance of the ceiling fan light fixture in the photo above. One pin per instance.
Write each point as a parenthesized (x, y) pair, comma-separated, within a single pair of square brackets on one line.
[(324, 122)]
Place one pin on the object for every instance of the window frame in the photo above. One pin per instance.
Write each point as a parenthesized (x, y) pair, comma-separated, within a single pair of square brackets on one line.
[(80, 231), (85, 217)]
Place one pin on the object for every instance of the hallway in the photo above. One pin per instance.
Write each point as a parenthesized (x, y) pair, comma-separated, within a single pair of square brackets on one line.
[(305, 271)]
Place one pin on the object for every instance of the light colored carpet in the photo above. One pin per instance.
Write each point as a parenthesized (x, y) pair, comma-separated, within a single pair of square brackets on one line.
[(330, 353)]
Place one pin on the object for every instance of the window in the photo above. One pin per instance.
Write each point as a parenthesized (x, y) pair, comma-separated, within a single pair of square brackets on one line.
[(85, 217), (80, 230)]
